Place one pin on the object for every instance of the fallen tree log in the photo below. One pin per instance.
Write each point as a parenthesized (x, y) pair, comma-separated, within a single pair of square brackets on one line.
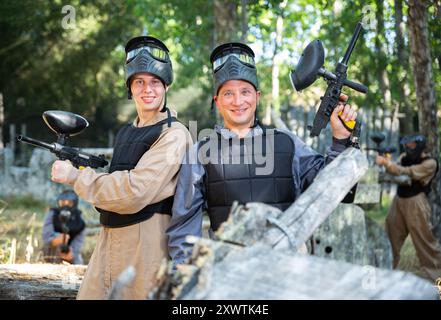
[(40, 281), (247, 225), (256, 254), (349, 235), (258, 272)]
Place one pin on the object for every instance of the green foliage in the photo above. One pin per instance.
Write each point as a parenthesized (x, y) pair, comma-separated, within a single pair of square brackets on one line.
[(44, 66)]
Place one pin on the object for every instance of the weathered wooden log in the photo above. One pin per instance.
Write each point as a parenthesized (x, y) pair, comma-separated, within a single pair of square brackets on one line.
[(244, 264), (342, 236), (348, 235), (258, 272), (293, 228), (368, 193), (378, 245), (329, 188), (40, 281)]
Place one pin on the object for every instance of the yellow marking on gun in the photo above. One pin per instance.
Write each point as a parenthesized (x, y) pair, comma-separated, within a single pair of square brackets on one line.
[(350, 125)]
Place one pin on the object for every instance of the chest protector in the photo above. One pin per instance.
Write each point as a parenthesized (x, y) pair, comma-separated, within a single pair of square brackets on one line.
[(75, 223), (254, 169), (416, 187), (130, 145)]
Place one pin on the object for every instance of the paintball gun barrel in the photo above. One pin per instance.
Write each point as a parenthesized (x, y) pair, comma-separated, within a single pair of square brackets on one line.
[(378, 138), (66, 124), (384, 151), (310, 66), (64, 219)]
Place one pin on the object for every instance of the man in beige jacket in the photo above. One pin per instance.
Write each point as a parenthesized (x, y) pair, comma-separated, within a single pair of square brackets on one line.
[(135, 198), (410, 211)]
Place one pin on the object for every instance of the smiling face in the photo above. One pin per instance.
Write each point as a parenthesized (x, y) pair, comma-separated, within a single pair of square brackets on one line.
[(236, 102), (148, 92)]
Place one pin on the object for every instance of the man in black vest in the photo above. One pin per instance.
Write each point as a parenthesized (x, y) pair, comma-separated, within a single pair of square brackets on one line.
[(64, 231), (242, 160), (135, 197), (410, 210)]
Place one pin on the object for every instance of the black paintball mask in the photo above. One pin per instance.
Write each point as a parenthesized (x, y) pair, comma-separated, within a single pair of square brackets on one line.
[(414, 153), (150, 55), (233, 61), (67, 195)]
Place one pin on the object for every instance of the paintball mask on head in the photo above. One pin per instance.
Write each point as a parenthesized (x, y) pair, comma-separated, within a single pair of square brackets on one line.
[(420, 141), (150, 55), (233, 61), (69, 195)]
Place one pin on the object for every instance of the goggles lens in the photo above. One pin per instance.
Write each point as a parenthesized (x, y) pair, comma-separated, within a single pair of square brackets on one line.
[(156, 53), (246, 59)]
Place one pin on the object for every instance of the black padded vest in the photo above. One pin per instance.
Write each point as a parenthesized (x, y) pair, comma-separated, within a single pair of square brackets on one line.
[(130, 145), (416, 187), (236, 179), (75, 224)]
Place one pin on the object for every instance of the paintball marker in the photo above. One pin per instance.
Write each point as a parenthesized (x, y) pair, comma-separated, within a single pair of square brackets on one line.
[(64, 219), (310, 66), (378, 138), (384, 151), (384, 177), (66, 124)]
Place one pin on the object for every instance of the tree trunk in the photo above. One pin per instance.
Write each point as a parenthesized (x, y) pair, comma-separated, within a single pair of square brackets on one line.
[(244, 14), (276, 60), (275, 70), (2, 120), (383, 78), (225, 21), (401, 68), (225, 27), (425, 93)]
